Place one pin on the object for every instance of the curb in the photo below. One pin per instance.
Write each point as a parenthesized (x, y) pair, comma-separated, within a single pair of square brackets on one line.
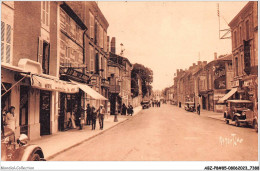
[(87, 139)]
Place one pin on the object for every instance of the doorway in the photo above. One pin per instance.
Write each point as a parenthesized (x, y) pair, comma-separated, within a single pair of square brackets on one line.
[(23, 121), (45, 102)]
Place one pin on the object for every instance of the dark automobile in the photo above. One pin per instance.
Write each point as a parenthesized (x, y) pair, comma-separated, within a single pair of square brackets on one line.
[(190, 106), (19, 150), (145, 104), (241, 111)]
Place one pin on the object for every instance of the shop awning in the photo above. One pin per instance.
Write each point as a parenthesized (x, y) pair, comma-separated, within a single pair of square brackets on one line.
[(229, 94), (50, 84), (91, 92)]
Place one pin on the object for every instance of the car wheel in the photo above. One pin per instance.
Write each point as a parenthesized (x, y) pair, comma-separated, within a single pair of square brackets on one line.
[(227, 121), (35, 157), (237, 122)]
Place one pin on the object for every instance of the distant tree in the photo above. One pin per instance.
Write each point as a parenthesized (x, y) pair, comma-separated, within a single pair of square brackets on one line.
[(146, 75)]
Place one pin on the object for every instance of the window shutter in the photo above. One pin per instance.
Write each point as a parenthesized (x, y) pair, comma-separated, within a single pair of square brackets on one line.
[(8, 53), (40, 50), (2, 31), (2, 51), (8, 33)]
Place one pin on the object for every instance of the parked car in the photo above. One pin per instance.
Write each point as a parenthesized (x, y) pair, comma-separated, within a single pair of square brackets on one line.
[(241, 111), (189, 106), (19, 150), (145, 104)]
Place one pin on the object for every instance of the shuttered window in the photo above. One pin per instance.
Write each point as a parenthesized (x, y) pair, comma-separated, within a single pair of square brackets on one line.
[(91, 23), (45, 14), (6, 42), (92, 55)]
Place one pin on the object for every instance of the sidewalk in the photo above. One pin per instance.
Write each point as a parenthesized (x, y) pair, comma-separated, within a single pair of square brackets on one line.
[(62, 141), (213, 115)]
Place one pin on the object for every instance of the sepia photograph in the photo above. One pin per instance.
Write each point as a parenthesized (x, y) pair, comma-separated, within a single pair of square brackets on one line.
[(137, 82)]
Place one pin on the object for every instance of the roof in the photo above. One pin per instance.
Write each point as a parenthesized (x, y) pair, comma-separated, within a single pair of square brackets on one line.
[(240, 101), (247, 6)]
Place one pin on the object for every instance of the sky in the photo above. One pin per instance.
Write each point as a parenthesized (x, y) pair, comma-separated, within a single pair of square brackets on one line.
[(170, 35)]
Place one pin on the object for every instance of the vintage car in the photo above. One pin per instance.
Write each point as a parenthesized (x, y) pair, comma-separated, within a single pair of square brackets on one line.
[(145, 104), (189, 106), (241, 111), (19, 150)]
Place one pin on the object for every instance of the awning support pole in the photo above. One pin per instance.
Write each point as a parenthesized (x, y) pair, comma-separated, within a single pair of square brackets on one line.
[(14, 85)]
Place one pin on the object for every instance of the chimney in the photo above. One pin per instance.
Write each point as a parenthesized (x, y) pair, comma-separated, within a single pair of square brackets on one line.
[(205, 63), (215, 55), (178, 71), (194, 64), (199, 62), (113, 45)]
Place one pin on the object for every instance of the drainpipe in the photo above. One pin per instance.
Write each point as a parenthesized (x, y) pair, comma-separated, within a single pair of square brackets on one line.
[(84, 69)]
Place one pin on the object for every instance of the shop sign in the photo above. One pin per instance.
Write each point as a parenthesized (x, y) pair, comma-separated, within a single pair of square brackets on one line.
[(53, 85), (220, 77), (218, 96), (235, 83)]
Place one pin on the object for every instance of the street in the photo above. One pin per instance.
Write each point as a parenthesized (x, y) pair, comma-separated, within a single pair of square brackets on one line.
[(168, 133)]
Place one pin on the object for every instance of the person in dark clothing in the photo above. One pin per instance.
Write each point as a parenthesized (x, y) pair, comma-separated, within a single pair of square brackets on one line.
[(3, 114), (153, 103), (89, 113), (101, 113), (124, 109), (94, 118), (198, 109), (159, 103), (130, 110)]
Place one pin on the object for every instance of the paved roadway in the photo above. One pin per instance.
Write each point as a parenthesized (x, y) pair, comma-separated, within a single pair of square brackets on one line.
[(168, 133)]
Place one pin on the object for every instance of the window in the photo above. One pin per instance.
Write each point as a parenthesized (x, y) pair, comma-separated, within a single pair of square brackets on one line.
[(235, 38), (91, 24), (92, 55), (101, 36), (45, 14), (241, 35), (105, 41), (6, 42), (247, 29), (44, 55), (236, 66)]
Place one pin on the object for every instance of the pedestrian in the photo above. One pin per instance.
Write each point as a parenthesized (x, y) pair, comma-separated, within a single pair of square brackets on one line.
[(89, 113), (131, 110), (81, 118), (153, 103), (10, 118), (3, 115), (124, 108), (94, 118), (128, 110), (198, 109), (101, 113), (159, 103)]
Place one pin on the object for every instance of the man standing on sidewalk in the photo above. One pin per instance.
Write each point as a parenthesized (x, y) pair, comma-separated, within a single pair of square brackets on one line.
[(198, 109), (93, 117), (101, 116), (88, 114)]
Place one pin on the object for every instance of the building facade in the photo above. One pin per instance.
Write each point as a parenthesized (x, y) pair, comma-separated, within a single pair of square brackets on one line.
[(46, 70), (244, 29)]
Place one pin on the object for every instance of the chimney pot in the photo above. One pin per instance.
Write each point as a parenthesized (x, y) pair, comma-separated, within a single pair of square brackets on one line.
[(215, 55)]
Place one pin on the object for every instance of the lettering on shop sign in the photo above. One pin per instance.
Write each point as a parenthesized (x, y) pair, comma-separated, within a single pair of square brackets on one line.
[(234, 140), (48, 86)]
